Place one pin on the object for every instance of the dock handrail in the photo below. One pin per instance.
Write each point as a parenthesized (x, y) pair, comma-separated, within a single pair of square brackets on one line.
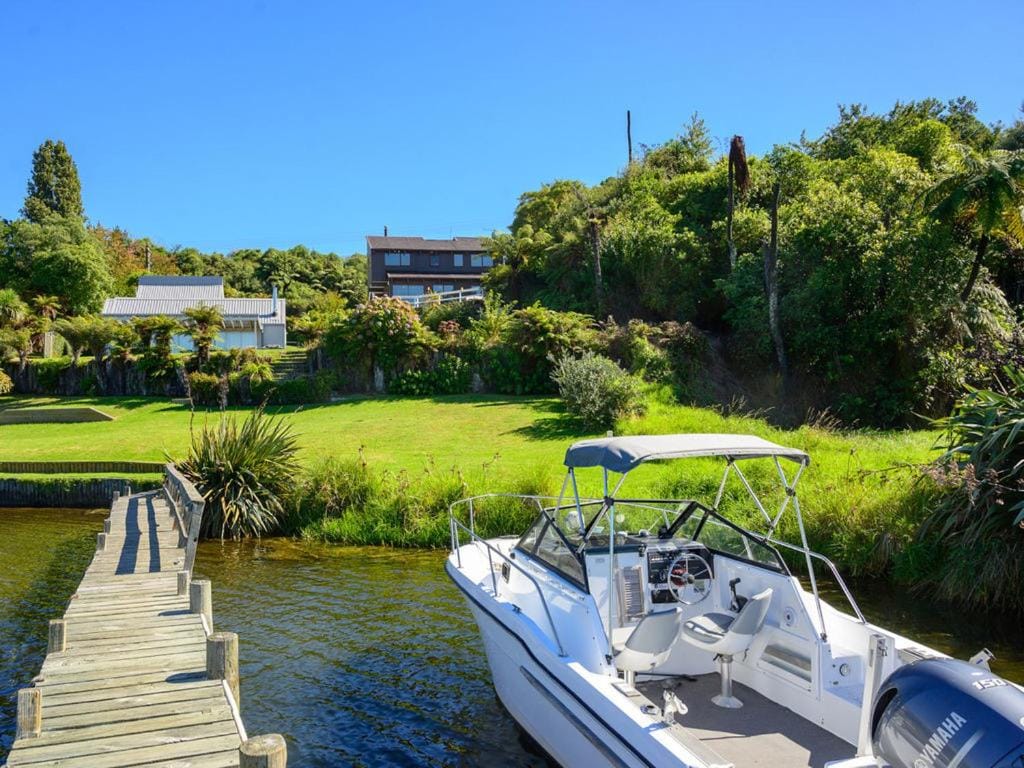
[(187, 504), (456, 525)]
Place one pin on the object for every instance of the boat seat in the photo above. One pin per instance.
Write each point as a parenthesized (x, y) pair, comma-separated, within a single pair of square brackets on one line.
[(709, 628), (725, 635), (649, 644)]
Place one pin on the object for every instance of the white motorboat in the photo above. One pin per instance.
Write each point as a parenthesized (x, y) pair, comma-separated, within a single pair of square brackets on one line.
[(657, 632)]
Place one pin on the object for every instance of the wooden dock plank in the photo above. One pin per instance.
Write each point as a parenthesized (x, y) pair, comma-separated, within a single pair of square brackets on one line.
[(129, 688)]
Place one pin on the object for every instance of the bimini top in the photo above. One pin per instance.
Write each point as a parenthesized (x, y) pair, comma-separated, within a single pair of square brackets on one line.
[(622, 454)]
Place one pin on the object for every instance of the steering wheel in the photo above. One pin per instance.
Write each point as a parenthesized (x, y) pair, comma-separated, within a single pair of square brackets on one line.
[(685, 586)]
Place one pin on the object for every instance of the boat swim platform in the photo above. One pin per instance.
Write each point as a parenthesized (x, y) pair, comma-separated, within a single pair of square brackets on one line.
[(761, 734), (134, 674)]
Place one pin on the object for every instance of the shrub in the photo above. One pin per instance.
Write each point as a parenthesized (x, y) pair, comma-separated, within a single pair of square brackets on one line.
[(978, 521), (596, 390), (207, 389), (449, 376), (245, 472), (314, 389), (48, 371), (6, 385), (461, 313), (385, 332), (519, 361)]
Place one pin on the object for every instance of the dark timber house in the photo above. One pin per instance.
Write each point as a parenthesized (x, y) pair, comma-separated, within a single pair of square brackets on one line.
[(413, 266)]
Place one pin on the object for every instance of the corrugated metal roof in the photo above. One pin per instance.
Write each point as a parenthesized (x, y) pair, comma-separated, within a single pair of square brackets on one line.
[(179, 287), (455, 245), (129, 306)]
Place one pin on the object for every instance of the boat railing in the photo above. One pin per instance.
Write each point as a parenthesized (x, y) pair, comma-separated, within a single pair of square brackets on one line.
[(835, 575), (457, 527)]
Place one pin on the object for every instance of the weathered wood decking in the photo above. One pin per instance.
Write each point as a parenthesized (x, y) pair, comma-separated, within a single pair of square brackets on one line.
[(133, 675)]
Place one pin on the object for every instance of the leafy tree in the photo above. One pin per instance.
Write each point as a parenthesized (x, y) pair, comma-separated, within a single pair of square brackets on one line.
[(204, 323), (56, 258), (985, 196), (75, 331), (17, 341), (54, 188)]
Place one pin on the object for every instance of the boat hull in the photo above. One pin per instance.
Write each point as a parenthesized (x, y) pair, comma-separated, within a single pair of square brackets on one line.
[(554, 712)]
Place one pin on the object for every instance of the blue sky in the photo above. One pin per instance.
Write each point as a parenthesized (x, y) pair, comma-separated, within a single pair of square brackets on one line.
[(223, 125)]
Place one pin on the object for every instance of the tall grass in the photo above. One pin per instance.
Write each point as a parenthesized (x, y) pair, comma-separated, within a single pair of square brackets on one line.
[(347, 501)]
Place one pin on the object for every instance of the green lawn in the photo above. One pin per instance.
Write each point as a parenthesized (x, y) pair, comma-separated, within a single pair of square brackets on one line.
[(393, 432), (861, 487)]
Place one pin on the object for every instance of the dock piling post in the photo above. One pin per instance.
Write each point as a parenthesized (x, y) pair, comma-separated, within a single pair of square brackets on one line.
[(106, 525), (183, 582), (58, 637), (30, 713), (117, 495), (268, 751), (222, 660), (201, 600), (101, 542)]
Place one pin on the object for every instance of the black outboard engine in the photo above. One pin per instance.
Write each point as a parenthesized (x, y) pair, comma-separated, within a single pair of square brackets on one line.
[(943, 713)]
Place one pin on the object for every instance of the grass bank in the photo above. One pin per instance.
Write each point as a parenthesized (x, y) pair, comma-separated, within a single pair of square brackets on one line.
[(383, 470)]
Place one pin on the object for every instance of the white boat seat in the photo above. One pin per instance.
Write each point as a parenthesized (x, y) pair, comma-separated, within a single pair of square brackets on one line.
[(725, 635), (650, 643), (709, 628)]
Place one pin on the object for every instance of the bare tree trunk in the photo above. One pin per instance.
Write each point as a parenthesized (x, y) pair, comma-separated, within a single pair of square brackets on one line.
[(771, 284), (595, 246), (979, 256), (728, 220), (629, 136)]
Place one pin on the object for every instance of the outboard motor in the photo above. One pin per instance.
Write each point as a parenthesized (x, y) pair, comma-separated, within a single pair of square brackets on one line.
[(943, 713)]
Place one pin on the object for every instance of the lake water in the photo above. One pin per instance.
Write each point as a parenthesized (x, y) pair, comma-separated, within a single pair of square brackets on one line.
[(361, 656)]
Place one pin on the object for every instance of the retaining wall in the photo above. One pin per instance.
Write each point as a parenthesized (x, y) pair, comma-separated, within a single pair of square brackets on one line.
[(67, 492)]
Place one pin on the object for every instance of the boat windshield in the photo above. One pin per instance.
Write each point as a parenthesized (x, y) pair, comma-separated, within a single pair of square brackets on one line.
[(560, 537)]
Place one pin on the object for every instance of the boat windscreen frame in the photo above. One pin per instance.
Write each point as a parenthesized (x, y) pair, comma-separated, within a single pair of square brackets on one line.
[(607, 510), (551, 523)]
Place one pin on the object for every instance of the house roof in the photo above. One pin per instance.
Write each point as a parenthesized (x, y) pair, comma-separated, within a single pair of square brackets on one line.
[(179, 287), (261, 310), (455, 245), (621, 454)]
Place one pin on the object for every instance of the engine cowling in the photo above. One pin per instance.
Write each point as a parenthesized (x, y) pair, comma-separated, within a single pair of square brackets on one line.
[(943, 713)]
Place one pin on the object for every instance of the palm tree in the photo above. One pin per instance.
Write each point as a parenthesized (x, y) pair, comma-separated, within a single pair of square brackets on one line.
[(204, 324), (985, 194), (13, 310), (47, 307), (739, 178)]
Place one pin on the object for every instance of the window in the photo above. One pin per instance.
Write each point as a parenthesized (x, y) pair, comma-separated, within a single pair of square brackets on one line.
[(544, 542), (396, 258), (457, 259), (481, 260), (442, 287), (406, 290), (435, 260)]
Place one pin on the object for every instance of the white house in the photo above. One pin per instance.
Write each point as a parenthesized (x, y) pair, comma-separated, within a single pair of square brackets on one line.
[(252, 323)]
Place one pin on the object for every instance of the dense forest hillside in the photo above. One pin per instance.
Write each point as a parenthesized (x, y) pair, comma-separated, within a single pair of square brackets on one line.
[(874, 270)]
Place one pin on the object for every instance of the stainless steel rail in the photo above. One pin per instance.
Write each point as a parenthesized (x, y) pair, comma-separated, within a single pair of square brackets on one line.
[(835, 575), (456, 526)]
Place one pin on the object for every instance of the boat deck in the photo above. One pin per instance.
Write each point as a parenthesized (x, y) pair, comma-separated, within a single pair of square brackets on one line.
[(760, 735)]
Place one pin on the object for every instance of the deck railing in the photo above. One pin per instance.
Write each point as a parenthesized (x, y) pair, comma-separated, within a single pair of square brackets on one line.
[(187, 505), (446, 297)]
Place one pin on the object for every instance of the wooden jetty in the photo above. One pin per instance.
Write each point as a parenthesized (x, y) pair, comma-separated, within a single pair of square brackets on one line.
[(134, 674)]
